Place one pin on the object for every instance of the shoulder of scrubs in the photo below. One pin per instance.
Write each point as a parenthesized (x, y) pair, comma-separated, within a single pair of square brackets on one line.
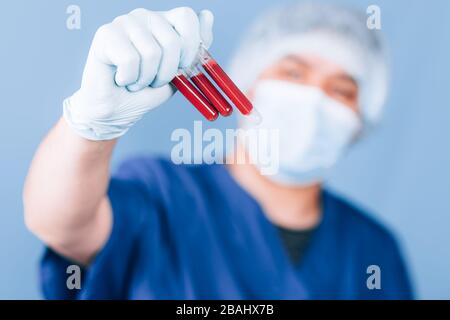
[(135, 191), (380, 269)]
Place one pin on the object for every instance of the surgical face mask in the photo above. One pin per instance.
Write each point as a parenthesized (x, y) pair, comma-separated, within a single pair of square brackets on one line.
[(313, 129)]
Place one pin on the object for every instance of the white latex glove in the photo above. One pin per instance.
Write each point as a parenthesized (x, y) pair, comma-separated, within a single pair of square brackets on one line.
[(129, 67)]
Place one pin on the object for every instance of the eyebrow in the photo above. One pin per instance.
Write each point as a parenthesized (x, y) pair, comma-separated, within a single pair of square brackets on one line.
[(300, 61), (297, 60)]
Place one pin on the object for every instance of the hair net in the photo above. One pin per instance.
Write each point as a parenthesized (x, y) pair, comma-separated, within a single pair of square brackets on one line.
[(336, 33)]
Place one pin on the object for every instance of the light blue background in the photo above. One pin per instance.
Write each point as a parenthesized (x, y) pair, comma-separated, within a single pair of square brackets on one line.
[(401, 172)]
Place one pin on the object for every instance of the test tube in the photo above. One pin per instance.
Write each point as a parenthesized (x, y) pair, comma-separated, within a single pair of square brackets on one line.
[(210, 92), (194, 96), (224, 82)]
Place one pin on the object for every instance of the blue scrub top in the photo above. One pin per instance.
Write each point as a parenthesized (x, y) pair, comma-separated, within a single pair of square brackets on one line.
[(191, 232)]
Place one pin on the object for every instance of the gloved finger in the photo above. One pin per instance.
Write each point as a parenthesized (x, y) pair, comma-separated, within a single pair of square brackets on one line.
[(148, 98), (186, 23), (116, 49), (170, 44), (148, 49), (206, 19)]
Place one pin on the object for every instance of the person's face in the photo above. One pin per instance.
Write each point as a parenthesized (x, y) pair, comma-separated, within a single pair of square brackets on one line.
[(312, 70)]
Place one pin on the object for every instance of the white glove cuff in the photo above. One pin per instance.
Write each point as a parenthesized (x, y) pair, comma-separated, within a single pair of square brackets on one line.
[(91, 129)]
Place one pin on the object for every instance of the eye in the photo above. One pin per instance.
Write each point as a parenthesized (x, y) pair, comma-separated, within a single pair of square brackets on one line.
[(344, 91), (294, 74)]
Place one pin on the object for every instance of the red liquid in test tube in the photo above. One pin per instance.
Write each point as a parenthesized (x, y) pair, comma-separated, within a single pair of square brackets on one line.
[(213, 95), (195, 97), (225, 83)]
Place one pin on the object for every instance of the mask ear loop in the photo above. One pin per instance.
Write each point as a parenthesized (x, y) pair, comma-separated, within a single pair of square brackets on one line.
[(364, 125), (359, 135)]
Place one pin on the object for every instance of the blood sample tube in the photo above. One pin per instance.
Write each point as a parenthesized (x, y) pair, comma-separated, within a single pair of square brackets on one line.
[(210, 92), (224, 82), (195, 97)]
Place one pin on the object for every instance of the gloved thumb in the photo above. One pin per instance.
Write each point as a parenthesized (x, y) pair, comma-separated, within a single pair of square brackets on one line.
[(206, 19)]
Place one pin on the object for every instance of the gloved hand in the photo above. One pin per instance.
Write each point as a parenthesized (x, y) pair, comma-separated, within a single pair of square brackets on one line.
[(129, 67)]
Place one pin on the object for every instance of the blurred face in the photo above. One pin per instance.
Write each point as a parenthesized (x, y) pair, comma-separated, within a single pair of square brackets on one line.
[(312, 70), (313, 105)]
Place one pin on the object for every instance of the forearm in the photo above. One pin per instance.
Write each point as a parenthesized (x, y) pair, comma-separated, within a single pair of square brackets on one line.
[(66, 185)]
